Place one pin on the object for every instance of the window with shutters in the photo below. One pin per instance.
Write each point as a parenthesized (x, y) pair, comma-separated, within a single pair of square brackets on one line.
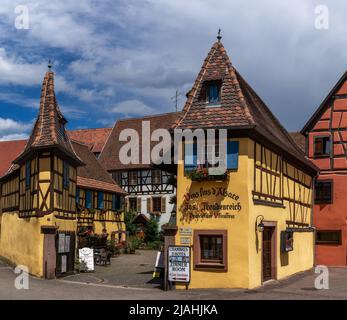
[(156, 176), (212, 156), (323, 192)]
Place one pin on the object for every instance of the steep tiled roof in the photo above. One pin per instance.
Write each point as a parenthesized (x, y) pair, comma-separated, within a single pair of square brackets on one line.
[(240, 107), (94, 138), (92, 175), (109, 157), (299, 139), (49, 129), (9, 150)]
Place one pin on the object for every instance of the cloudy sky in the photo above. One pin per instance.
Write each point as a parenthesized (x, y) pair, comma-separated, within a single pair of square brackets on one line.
[(126, 58)]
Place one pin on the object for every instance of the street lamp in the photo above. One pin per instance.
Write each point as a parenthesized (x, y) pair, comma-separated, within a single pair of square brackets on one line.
[(260, 226)]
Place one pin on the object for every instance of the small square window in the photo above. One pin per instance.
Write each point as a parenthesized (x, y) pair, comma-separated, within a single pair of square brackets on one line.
[(210, 250), (332, 237), (322, 146), (323, 192)]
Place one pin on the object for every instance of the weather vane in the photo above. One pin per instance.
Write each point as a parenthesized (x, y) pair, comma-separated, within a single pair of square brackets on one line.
[(50, 64), (219, 37)]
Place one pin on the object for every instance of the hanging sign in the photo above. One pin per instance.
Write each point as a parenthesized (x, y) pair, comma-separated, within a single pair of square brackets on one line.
[(179, 264), (86, 255)]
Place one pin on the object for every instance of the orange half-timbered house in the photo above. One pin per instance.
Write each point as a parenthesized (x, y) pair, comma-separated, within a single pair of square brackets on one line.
[(42, 192), (326, 147)]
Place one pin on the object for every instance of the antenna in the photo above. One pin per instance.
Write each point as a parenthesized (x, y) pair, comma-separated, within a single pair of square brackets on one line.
[(175, 99)]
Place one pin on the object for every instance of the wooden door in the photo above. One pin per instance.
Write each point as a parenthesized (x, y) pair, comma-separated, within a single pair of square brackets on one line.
[(65, 248), (268, 253)]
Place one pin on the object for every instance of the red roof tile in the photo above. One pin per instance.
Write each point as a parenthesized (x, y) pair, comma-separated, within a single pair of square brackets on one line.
[(98, 185), (9, 150), (240, 107), (94, 138), (49, 129), (109, 157)]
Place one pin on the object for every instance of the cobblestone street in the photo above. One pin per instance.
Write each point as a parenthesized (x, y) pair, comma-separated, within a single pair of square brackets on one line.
[(134, 281)]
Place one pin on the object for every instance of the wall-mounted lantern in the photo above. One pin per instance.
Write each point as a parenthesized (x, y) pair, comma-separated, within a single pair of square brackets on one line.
[(259, 226)]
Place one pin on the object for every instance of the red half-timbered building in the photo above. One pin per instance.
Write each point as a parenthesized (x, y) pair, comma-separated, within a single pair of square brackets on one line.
[(326, 146)]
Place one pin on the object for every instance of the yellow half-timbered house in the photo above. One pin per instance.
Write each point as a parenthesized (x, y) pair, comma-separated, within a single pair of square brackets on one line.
[(249, 221), (43, 196)]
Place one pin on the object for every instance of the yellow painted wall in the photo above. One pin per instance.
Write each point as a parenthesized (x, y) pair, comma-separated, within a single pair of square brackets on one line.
[(244, 261), (22, 242)]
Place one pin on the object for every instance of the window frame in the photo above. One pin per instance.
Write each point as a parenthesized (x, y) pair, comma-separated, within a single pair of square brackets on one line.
[(202, 265), (208, 85), (135, 200), (156, 199), (322, 155), (331, 243), (331, 182)]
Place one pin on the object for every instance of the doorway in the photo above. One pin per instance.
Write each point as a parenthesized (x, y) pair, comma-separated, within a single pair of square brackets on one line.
[(269, 253)]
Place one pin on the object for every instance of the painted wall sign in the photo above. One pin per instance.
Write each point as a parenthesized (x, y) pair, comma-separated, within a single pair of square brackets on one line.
[(198, 205), (185, 240), (179, 264), (86, 255), (185, 231)]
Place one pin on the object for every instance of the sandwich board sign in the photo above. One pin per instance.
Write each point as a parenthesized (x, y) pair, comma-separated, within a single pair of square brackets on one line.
[(179, 264), (86, 255)]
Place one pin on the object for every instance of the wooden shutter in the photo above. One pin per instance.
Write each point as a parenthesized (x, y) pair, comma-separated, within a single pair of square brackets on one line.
[(190, 159), (138, 205), (149, 205), (232, 154), (163, 204), (127, 205)]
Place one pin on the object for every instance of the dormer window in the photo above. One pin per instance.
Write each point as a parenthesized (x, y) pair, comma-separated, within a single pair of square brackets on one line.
[(213, 92)]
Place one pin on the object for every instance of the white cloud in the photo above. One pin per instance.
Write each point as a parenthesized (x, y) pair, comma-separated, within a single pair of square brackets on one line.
[(132, 107), (13, 130)]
